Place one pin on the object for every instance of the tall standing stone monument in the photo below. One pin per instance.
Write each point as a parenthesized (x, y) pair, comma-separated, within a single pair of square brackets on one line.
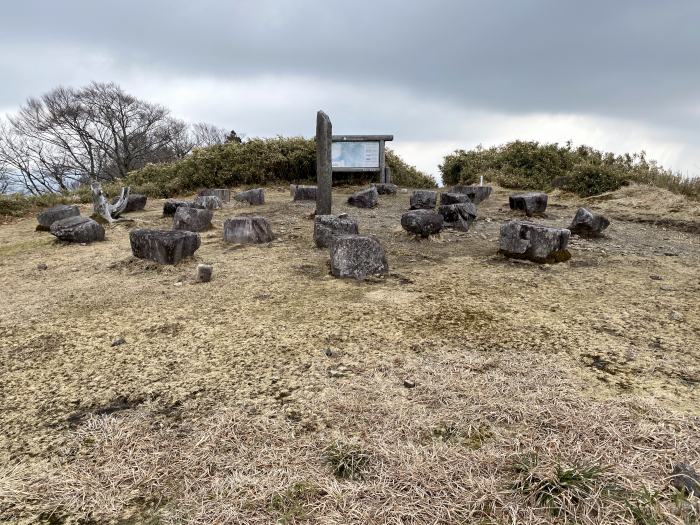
[(324, 167)]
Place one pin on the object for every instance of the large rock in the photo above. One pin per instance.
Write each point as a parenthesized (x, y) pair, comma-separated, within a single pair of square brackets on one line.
[(171, 206), (254, 197), (588, 224), (357, 256), (47, 217), (458, 216), (531, 203), (422, 222), (477, 194), (135, 202), (223, 193), (525, 240), (367, 198), (192, 219), (207, 202), (163, 246), (247, 230), (453, 198), (303, 193), (423, 200), (386, 188), (327, 227), (78, 229)]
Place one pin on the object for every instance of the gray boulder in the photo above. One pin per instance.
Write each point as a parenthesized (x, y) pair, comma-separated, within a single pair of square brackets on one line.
[(423, 200), (135, 202), (247, 230), (453, 198), (367, 198), (192, 219), (47, 217), (531, 203), (458, 216), (207, 202), (422, 222), (163, 246), (171, 206), (78, 229), (303, 193), (357, 257), (327, 227), (588, 224), (386, 188), (525, 240), (685, 479), (254, 197), (223, 193), (477, 194)]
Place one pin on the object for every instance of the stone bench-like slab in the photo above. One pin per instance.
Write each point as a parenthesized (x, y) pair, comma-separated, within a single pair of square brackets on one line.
[(78, 229), (303, 193), (588, 224), (253, 197), (164, 246), (357, 257), (525, 240), (327, 227), (453, 198), (532, 203), (135, 202), (367, 198), (50, 215), (207, 202), (458, 216), (247, 230), (223, 193), (423, 200), (476, 194), (171, 206), (423, 223), (192, 219)]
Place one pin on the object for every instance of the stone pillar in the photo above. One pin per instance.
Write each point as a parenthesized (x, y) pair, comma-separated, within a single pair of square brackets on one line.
[(324, 168)]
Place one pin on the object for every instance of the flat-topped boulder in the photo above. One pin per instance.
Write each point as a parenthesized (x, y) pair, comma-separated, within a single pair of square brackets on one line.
[(223, 193), (247, 230), (477, 194), (453, 198), (171, 206), (135, 202), (458, 216), (588, 224), (303, 193), (192, 219), (50, 215), (163, 246), (367, 198), (422, 222), (423, 200), (254, 197), (532, 203), (386, 188), (207, 202), (525, 240), (327, 227), (78, 229), (357, 257)]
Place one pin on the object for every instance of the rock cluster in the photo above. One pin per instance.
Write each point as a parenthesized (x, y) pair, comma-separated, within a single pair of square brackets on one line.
[(357, 257), (367, 198), (532, 203), (327, 227), (247, 230), (163, 246), (525, 240)]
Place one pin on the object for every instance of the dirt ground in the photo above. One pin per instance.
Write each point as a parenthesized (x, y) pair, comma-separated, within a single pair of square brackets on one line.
[(229, 398)]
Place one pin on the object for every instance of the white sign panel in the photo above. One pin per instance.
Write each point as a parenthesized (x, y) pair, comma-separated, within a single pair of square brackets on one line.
[(355, 154)]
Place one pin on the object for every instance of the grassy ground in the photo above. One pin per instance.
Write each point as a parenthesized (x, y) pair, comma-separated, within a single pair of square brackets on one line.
[(543, 394)]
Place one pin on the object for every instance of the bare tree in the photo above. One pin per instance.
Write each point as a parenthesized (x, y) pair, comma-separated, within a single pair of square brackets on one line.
[(204, 134)]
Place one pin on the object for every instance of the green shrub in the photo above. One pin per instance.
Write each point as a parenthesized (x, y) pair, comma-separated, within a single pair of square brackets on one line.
[(587, 178)]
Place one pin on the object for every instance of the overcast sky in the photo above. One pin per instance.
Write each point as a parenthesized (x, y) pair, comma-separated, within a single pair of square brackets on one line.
[(621, 75)]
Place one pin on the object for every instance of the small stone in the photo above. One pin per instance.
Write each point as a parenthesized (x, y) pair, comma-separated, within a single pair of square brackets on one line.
[(367, 198), (588, 224), (247, 230), (675, 316), (192, 219), (422, 222), (655, 277), (423, 200), (47, 217), (42, 266), (685, 479), (328, 352), (327, 227), (525, 240), (386, 188), (531, 203), (409, 383), (118, 341), (254, 197), (78, 229), (304, 193), (207, 202), (204, 272), (357, 257)]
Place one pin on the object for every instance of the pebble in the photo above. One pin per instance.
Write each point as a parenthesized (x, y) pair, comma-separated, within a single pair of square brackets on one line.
[(118, 341), (409, 383), (42, 266), (655, 277), (676, 316)]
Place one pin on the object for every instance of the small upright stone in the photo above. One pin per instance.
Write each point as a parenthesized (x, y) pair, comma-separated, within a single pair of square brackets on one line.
[(458, 216), (531, 203), (525, 240), (254, 197), (357, 257), (171, 206), (135, 202), (477, 194), (247, 230), (367, 198), (192, 219), (588, 224), (453, 198), (78, 229), (386, 188), (324, 163), (163, 246), (422, 222), (327, 227), (207, 202), (47, 217), (204, 272), (304, 193), (423, 200)]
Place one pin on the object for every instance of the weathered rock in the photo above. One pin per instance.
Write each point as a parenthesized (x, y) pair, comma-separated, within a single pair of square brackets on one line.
[(685, 479), (223, 193), (531, 203), (476, 194), (367, 198), (163, 246), (204, 272), (458, 216), (525, 240), (357, 256), (304, 193), (254, 197), (453, 198), (324, 164), (422, 222), (423, 200), (47, 217), (118, 341), (135, 202), (78, 229), (171, 206), (207, 202), (247, 230), (192, 219), (327, 227), (588, 224), (386, 188), (42, 266)]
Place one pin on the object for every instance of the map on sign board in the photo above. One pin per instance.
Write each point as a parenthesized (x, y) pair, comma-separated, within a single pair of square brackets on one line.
[(355, 154)]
